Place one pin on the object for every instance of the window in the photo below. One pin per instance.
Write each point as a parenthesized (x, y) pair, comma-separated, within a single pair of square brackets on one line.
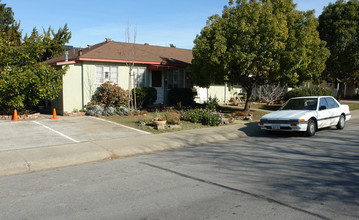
[(300, 104), (156, 79), (181, 79), (332, 103), (176, 79), (140, 77), (323, 104), (106, 73)]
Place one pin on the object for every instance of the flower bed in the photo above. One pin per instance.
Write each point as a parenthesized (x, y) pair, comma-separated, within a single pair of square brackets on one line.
[(204, 116), (21, 117), (75, 114)]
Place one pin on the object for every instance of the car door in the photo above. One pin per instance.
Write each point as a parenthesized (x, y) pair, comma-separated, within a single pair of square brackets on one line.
[(323, 113), (334, 112)]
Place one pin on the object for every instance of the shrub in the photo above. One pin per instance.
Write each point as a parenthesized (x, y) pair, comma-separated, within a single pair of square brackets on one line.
[(212, 103), (313, 91), (193, 115), (204, 116), (109, 94), (145, 96), (109, 111), (95, 110), (122, 110), (173, 117), (181, 97), (212, 118)]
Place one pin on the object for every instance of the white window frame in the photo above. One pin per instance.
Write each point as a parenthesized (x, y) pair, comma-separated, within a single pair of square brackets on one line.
[(106, 73), (176, 78), (140, 76)]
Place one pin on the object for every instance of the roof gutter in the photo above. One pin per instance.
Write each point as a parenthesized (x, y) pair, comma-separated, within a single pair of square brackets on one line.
[(81, 59)]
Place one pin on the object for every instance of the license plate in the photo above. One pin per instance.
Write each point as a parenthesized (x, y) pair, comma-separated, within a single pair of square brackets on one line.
[(275, 127)]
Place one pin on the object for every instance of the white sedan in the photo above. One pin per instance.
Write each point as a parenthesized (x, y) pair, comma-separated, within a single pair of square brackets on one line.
[(306, 114)]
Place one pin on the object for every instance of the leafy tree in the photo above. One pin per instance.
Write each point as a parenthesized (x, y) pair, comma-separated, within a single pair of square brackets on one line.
[(339, 27), (258, 42), (25, 78), (8, 25), (312, 91)]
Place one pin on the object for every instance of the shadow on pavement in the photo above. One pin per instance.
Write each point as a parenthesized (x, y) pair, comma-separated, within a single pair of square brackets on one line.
[(320, 171), (253, 130)]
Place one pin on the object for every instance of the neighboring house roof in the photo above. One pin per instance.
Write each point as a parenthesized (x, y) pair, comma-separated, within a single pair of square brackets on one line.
[(112, 51)]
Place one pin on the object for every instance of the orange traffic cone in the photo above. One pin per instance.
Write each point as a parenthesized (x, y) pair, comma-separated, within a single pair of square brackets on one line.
[(15, 117), (54, 116)]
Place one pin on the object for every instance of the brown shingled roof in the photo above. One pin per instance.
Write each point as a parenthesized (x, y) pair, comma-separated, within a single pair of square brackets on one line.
[(113, 51)]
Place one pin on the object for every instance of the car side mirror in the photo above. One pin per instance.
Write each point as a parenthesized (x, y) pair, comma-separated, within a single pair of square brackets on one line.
[(322, 107)]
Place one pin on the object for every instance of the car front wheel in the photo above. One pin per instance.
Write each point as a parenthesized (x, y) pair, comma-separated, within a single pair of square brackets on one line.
[(341, 122), (311, 128)]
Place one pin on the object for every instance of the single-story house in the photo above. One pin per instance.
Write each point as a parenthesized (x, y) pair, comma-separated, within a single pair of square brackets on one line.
[(163, 68)]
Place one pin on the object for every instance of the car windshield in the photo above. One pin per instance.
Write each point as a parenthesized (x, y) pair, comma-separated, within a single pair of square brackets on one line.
[(300, 104)]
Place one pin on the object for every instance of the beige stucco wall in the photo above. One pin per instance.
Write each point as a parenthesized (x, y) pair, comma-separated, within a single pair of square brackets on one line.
[(123, 72), (72, 88), (79, 83)]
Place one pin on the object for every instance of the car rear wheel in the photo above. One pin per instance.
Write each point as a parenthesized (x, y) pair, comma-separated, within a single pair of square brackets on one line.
[(341, 122), (311, 128)]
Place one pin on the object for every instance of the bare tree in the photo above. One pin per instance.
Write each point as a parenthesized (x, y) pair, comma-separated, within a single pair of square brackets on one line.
[(130, 55), (270, 92)]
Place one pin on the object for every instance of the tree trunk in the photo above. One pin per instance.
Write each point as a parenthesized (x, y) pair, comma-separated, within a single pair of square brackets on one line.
[(134, 92), (340, 93), (247, 106), (129, 89), (248, 86)]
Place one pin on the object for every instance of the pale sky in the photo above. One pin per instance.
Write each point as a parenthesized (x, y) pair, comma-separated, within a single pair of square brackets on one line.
[(159, 22)]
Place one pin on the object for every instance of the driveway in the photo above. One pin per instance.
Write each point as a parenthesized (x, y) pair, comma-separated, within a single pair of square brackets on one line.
[(65, 130)]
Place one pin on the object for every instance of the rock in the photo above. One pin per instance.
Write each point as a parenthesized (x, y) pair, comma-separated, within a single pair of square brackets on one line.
[(141, 123), (247, 118), (161, 127), (175, 126)]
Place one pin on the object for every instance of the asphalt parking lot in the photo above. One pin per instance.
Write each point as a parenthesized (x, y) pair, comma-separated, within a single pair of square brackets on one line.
[(65, 130)]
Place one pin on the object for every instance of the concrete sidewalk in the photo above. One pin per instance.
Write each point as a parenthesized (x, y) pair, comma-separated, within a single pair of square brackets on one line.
[(36, 159)]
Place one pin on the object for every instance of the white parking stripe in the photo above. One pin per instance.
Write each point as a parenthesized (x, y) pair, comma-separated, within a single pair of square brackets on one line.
[(145, 132), (57, 132)]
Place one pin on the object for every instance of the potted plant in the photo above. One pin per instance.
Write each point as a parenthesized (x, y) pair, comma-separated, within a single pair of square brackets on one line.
[(158, 120)]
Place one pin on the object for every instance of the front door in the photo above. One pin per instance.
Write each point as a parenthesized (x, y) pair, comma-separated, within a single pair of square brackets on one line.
[(158, 85)]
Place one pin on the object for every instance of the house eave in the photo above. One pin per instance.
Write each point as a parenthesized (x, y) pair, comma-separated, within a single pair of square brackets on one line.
[(81, 59), (65, 62), (129, 61)]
